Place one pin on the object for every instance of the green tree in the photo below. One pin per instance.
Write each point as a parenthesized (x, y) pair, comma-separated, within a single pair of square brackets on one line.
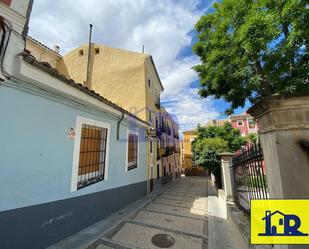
[(206, 153), (226, 132), (250, 49), (213, 140), (252, 137)]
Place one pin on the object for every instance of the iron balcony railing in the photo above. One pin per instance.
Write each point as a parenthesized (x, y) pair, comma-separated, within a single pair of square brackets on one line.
[(248, 176)]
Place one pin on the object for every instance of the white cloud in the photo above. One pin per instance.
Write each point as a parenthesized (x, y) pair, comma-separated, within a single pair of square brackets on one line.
[(178, 76), (190, 109), (161, 26)]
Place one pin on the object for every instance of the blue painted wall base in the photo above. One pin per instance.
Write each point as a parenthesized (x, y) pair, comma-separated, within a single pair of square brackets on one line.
[(40, 226)]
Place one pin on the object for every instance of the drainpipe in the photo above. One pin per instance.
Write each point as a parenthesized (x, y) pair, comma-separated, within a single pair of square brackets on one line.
[(118, 125), (26, 27)]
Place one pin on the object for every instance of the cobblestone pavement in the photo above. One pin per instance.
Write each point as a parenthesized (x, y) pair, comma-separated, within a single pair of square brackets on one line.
[(177, 218)]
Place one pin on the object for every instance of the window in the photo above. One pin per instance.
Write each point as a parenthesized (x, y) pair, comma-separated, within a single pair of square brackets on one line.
[(92, 155), (150, 146), (239, 123), (251, 123), (149, 83), (132, 151), (90, 158), (97, 50), (81, 52)]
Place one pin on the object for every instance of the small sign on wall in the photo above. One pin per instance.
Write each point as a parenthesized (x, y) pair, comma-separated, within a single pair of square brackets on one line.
[(71, 133)]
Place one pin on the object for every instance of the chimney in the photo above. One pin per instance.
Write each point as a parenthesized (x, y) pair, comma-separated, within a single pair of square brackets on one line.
[(57, 49)]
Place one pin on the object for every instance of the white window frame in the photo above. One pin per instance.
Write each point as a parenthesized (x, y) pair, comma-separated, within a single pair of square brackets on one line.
[(242, 122), (251, 120), (127, 150), (76, 151)]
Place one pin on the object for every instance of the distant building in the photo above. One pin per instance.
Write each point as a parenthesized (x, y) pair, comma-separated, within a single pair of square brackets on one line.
[(216, 122), (245, 123), (188, 137), (169, 146)]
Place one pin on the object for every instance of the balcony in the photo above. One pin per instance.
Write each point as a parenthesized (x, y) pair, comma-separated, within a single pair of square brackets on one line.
[(168, 151)]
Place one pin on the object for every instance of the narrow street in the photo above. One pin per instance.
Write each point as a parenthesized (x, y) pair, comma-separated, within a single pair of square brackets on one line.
[(177, 218)]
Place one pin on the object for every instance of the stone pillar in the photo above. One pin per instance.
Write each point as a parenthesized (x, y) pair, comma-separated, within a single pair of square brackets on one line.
[(284, 132), (226, 157)]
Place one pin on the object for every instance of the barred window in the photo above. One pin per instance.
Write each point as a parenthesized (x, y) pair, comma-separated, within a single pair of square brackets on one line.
[(132, 151), (92, 155)]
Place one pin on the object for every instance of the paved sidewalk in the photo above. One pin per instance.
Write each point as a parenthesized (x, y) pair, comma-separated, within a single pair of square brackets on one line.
[(219, 230), (87, 236), (177, 218), (180, 216)]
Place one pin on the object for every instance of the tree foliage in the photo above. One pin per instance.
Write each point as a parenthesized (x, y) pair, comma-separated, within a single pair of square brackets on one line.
[(206, 152), (213, 140), (226, 132), (252, 138), (250, 49)]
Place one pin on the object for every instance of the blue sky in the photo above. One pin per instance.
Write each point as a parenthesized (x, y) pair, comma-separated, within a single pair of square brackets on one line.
[(164, 27)]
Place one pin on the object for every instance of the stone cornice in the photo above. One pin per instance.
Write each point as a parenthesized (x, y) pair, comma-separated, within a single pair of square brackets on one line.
[(282, 113)]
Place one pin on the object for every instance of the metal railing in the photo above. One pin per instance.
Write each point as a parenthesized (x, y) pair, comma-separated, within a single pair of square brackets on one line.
[(248, 176)]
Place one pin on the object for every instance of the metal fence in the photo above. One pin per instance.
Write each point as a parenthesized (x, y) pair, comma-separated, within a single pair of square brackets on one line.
[(248, 176)]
